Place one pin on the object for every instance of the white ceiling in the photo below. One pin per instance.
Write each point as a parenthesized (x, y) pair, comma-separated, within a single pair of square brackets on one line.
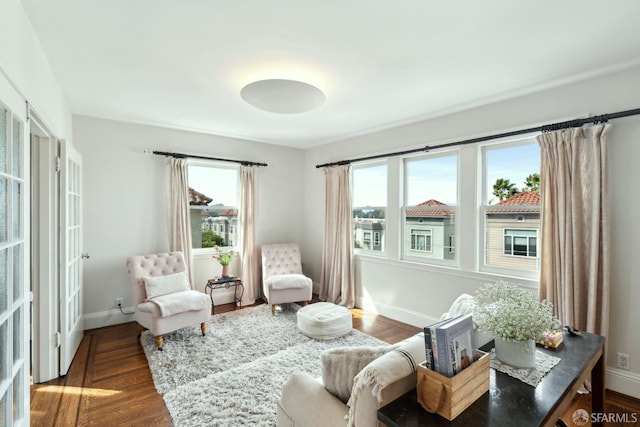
[(380, 63)]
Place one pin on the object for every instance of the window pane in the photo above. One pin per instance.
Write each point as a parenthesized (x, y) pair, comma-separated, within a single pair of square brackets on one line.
[(369, 207), (4, 209), (213, 198), (4, 281), (4, 352), (17, 335), (18, 401), (3, 139), (17, 272), (17, 217), (430, 207), (15, 149), (511, 205)]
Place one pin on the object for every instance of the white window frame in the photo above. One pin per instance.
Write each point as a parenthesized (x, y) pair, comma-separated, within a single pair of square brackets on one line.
[(216, 228), (382, 240), (414, 256), (415, 234), (483, 267)]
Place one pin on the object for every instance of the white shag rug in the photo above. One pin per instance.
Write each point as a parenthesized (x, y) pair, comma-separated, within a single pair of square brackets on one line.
[(233, 376)]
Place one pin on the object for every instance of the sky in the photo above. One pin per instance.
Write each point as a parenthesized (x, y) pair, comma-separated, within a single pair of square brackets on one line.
[(218, 183), (436, 177)]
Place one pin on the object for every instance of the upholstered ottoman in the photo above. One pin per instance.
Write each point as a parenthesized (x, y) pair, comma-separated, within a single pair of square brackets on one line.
[(324, 321)]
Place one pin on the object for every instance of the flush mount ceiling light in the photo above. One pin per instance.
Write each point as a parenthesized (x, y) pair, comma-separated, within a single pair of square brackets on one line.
[(282, 96)]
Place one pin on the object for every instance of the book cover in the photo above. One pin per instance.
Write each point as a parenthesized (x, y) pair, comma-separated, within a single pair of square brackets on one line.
[(438, 349), (444, 334), (427, 347), (461, 351)]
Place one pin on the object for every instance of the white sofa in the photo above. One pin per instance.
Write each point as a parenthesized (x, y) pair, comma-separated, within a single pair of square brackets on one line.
[(305, 402)]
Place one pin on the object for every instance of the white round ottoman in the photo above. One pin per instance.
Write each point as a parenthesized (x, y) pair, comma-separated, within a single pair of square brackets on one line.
[(324, 321)]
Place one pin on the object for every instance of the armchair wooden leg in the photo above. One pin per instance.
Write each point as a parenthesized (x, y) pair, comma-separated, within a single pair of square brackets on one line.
[(159, 342), (140, 329), (203, 328), (304, 303), (273, 309)]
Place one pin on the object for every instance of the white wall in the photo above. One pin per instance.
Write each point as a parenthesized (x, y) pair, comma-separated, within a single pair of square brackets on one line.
[(418, 294), (22, 59), (125, 202)]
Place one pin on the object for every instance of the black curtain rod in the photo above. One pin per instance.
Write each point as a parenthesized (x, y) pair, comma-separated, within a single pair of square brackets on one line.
[(193, 156), (545, 128)]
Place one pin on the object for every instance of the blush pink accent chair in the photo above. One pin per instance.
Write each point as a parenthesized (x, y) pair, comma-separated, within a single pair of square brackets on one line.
[(282, 278), (147, 313)]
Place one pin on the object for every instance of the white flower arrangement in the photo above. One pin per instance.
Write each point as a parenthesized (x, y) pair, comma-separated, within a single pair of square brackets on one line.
[(512, 312)]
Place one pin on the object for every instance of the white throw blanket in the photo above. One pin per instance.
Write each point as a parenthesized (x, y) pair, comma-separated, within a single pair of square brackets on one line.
[(179, 302), (287, 281)]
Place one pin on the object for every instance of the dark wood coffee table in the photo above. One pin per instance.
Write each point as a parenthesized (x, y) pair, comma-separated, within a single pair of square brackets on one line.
[(512, 402)]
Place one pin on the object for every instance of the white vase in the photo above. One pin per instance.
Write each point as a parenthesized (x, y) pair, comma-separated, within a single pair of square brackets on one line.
[(519, 354)]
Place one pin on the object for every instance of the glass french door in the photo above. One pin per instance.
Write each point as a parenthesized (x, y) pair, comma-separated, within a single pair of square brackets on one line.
[(14, 295), (71, 251)]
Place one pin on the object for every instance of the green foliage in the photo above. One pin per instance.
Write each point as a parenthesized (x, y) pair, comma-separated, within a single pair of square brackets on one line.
[(368, 213), (532, 183), (211, 239), (504, 188)]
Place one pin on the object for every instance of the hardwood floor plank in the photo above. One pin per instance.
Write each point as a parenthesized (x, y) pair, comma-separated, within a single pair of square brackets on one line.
[(109, 382)]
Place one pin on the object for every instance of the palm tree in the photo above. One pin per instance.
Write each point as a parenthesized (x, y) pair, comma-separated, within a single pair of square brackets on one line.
[(532, 182), (504, 188)]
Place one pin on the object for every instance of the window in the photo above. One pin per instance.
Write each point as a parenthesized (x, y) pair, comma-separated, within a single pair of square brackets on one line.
[(511, 207), (520, 242), (213, 200), (421, 240), (369, 207), (429, 210)]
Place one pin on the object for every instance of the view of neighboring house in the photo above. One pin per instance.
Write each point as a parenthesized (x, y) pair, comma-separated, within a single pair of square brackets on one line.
[(219, 221), (429, 232), (512, 227)]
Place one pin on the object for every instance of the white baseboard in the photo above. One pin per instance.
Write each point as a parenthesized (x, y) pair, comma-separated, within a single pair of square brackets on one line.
[(115, 317), (409, 317), (622, 381), (106, 318)]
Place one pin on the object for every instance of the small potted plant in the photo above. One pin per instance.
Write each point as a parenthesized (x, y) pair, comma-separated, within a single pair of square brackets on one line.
[(224, 259), (516, 317)]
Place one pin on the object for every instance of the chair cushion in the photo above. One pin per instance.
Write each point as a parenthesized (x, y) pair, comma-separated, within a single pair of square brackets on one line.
[(163, 285), (341, 364), (324, 321), (288, 281)]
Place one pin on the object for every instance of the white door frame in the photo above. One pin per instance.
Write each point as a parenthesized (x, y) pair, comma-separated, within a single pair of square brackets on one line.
[(44, 252)]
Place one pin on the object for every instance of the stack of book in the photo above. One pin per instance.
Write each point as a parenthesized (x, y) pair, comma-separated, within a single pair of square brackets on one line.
[(448, 345)]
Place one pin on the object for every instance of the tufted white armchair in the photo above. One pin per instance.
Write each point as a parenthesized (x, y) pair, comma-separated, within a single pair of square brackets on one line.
[(282, 278), (163, 296)]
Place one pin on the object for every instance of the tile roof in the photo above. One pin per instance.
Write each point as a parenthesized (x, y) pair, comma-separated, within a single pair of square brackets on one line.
[(523, 202), (417, 212), (198, 199)]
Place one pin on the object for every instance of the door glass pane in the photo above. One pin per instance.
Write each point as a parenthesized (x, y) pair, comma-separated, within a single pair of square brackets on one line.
[(16, 165), (4, 281), (4, 352), (4, 209), (18, 402), (3, 139), (17, 217), (17, 272), (17, 341), (4, 411)]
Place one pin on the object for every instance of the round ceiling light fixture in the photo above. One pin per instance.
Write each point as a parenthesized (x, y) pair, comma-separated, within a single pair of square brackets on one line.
[(282, 96)]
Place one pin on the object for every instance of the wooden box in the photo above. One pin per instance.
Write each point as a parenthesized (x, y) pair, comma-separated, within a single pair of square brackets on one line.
[(449, 397)]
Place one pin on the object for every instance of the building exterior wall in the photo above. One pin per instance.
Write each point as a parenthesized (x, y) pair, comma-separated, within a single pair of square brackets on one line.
[(494, 243)]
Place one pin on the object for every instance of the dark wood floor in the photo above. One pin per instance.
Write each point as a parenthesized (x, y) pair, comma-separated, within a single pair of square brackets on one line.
[(109, 382)]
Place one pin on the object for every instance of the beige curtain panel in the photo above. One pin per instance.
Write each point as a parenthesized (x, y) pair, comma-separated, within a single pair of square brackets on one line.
[(337, 281), (246, 218), (178, 210), (574, 272)]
